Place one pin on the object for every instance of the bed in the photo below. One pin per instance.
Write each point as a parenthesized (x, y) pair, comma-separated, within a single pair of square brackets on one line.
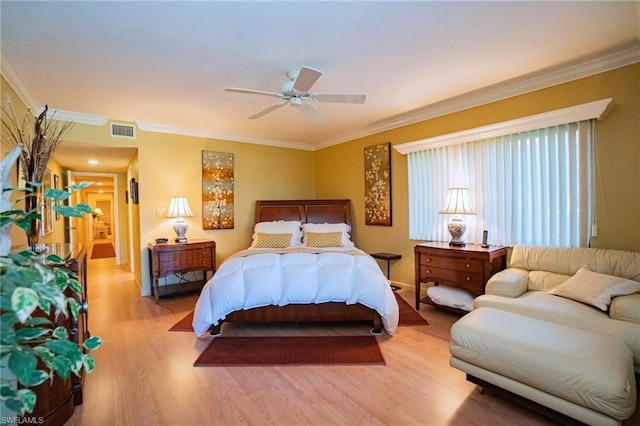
[(309, 281)]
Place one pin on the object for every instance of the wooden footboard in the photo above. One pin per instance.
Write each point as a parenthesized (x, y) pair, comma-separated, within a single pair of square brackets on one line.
[(322, 312)]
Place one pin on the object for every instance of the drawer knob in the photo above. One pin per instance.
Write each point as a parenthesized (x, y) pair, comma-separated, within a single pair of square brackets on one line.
[(427, 271), (428, 260), (468, 266), (468, 278)]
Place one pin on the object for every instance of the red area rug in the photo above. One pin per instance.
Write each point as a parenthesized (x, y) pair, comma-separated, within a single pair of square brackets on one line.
[(408, 316), (293, 350), (102, 250)]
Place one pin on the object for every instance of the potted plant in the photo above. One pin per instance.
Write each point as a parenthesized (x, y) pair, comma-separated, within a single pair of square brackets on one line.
[(35, 291)]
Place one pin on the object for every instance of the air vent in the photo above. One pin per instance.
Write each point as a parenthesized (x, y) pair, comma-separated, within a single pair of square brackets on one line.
[(123, 131)]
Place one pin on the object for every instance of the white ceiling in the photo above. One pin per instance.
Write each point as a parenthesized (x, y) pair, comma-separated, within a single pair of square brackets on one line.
[(164, 65)]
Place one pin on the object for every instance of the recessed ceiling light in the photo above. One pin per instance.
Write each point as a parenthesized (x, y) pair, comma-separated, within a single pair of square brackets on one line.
[(93, 161)]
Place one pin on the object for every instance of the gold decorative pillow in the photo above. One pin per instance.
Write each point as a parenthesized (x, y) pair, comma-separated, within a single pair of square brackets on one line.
[(595, 289), (264, 240), (323, 239)]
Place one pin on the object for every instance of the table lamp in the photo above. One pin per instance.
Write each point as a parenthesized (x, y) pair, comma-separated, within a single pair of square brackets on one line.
[(97, 212), (457, 204), (179, 208)]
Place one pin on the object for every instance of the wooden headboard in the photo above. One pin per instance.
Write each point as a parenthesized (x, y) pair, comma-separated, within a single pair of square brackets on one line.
[(306, 211)]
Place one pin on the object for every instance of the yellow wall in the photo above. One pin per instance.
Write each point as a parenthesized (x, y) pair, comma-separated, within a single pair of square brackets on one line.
[(340, 169), (170, 165)]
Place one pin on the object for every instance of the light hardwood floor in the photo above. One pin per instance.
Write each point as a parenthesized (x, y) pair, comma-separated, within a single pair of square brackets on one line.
[(144, 373)]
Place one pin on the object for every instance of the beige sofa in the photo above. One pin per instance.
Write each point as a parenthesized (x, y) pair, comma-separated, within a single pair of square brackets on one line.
[(525, 286), (560, 327)]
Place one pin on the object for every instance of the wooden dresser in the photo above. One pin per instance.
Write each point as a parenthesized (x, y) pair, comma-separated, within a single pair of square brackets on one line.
[(468, 267), (174, 258)]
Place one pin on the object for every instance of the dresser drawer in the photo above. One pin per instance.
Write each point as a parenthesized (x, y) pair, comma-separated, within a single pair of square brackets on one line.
[(458, 264)]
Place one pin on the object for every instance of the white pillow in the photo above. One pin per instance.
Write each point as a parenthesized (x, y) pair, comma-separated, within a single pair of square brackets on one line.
[(279, 227), (343, 228), (596, 289)]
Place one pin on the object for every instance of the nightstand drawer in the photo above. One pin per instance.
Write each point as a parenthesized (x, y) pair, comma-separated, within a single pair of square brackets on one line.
[(187, 259), (450, 276), (458, 264)]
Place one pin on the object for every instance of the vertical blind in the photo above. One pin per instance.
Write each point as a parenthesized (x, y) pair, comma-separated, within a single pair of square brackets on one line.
[(532, 187)]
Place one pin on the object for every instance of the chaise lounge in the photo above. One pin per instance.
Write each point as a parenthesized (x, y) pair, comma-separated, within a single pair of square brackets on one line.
[(560, 327)]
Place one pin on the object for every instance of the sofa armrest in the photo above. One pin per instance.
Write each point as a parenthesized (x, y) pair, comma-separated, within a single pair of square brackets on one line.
[(511, 282), (625, 308)]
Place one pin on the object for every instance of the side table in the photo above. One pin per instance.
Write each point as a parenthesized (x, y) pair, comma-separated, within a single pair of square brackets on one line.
[(388, 257), (174, 258), (468, 267)]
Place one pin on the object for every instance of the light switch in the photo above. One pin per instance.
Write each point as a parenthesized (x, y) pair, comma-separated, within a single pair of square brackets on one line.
[(160, 211)]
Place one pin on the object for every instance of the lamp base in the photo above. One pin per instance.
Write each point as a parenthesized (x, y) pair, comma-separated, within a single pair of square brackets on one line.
[(457, 228), (180, 228)]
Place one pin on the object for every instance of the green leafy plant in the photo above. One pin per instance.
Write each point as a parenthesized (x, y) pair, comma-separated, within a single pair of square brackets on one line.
[(35, 292)]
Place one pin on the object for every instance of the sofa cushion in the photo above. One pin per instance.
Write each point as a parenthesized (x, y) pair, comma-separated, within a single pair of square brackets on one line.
[(562, 361), (511, 282), (626, 308), (544, 280), (544, 306), (594, 288)]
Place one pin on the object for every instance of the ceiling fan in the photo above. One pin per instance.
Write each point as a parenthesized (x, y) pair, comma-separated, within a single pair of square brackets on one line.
[(296, 93)]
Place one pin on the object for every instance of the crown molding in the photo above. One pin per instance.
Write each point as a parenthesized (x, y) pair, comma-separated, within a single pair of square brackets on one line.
[(12, 76), (78, 117), (564, 73), (525, 84), (557, 117), (159, 128)]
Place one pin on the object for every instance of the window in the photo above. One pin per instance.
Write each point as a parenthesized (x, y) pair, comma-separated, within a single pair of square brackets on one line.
[(529, 187)]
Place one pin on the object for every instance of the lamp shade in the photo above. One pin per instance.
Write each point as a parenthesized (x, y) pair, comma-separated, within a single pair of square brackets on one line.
[(97, 211), (458, 202), (179, 207)]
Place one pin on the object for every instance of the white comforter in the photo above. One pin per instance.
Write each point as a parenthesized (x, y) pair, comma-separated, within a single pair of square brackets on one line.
[(258, 277)]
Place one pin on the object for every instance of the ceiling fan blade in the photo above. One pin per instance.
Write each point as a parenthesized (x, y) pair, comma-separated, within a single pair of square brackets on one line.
[(342, 99), (313, 116), (306, 79), (252, 92), (266, 111)]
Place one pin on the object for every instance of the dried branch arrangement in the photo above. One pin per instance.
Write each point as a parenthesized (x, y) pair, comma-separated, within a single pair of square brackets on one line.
[(40, 138)]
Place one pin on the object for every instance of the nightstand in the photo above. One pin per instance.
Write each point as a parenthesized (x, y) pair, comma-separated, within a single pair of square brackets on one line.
[(468, 267), (175, 258)]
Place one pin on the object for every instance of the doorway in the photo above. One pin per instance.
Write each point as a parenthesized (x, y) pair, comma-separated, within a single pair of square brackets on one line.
[(103, 224)]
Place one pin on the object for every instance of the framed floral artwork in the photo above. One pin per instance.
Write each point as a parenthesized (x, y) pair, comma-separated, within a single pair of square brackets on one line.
[(217, 190), (377, 184)]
